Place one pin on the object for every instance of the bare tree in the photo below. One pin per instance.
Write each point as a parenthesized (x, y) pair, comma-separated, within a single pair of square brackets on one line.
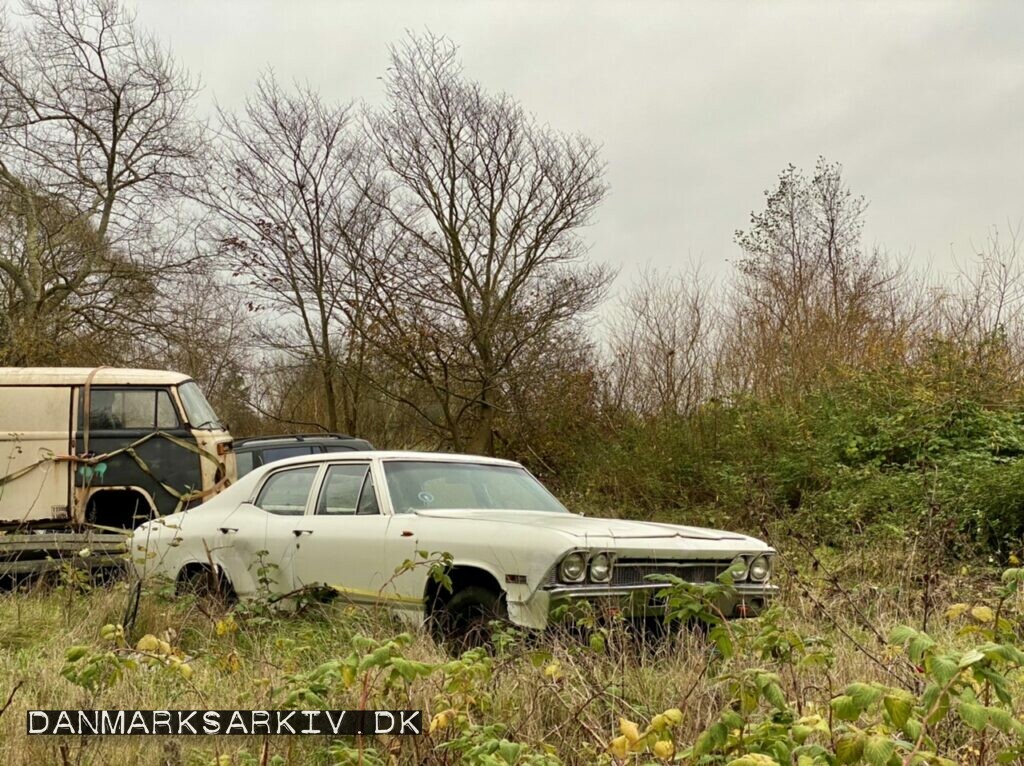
[(288, 213), (485, 260), (661, 344), (808, 298), (95, 131)]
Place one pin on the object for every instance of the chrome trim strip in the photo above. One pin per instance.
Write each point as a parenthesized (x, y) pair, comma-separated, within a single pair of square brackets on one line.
[(583, 591)]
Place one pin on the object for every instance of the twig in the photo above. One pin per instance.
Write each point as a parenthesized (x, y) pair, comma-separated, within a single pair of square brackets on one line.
[(10, 697)]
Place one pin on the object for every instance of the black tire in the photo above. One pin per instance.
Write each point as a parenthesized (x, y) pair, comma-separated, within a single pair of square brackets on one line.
[(463, 622)]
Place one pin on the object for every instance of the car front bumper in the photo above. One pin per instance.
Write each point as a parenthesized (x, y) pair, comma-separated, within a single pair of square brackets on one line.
[(561, 603)]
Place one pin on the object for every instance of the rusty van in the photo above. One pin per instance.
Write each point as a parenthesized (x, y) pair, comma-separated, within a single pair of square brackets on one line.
[(106, 448)]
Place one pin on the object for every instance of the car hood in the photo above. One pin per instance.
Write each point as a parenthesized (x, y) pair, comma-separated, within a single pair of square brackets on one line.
[(588, 527)]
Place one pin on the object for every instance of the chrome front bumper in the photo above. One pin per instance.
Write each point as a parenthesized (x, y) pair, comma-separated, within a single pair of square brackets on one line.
[(642, 600)]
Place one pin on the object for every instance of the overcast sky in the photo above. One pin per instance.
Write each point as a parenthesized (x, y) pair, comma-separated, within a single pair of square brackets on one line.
[(698, 106)]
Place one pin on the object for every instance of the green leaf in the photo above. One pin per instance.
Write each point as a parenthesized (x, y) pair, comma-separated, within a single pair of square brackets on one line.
[(845, 708), (942, 667), (1000, 718), (970, 658), (704, 744), (899, 709), (878, 750), (509, 751), (912, 728), (940, 710), (774, 694), (75, 653), (920, 644), (849, 748), (901, 634), (974, 715), (863, 694)]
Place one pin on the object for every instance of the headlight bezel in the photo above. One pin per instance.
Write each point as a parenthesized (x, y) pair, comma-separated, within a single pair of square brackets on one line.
[(767, 568), (607, 556), (584, 567), (741, 575)]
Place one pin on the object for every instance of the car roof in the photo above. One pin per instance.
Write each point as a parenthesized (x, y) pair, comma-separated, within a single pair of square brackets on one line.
[(435, 457)]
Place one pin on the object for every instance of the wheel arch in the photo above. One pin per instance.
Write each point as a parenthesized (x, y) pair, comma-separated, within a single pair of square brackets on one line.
[(463, 575), (194, 567)]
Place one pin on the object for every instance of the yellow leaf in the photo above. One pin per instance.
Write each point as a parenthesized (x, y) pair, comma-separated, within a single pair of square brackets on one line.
[(629, 730), (441, 720), (619, 747), (1014, 561), (982, 614), (227, 625), (664, 749), (185, 669), (553, 671), (674, 715), (148, 643), (956, 610)]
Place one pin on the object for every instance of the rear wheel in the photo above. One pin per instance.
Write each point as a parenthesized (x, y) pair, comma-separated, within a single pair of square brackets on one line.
[(464, 621), (206, 584)]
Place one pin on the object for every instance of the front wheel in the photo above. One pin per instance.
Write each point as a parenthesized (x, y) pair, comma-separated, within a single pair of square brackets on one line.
[(464, 621)]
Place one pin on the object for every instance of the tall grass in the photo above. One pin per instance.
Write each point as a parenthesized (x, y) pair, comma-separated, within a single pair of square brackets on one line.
[(559, 695)]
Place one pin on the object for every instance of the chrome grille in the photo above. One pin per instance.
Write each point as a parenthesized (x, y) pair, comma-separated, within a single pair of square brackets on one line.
[(636, 572)]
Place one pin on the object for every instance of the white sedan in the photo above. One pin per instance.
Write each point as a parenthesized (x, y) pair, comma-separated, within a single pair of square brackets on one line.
[(352, 521)]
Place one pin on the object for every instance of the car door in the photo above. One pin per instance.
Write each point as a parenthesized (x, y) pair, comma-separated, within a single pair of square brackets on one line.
[(264, 536), (340, 542)]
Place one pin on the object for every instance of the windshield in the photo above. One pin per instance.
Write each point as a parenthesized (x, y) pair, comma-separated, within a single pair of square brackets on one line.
[(199, 412), (421, 485)]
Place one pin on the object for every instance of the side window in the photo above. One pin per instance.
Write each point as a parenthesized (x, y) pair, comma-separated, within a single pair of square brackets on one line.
[(244, 461), (132, 409), (368, 499), (286, 492), (347, 490), (270, 454)]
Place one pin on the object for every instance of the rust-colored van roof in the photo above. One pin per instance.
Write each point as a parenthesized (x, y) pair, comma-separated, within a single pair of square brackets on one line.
[(76, 376)]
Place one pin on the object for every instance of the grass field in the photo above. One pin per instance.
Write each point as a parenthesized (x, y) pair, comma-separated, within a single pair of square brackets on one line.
[(534, 699)]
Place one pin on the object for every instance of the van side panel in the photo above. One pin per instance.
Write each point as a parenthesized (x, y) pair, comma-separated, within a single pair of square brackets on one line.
[(35, 425), (173, 464)]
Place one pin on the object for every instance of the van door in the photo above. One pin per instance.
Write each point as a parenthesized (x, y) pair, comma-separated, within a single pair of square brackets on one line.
[(35, 427), (120, 416)]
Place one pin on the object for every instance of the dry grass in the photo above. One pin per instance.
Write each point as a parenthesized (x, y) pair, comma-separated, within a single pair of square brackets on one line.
[(553, 691)]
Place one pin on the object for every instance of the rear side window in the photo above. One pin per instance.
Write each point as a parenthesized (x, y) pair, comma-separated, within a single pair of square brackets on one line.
[(348, 490), (131, 409), (286, 492)]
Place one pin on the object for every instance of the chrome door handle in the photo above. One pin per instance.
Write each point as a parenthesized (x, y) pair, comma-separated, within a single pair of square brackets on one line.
[(226, 530), (301, 532)]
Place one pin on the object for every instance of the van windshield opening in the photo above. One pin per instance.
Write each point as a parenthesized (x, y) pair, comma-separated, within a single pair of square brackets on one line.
[(199, 412)]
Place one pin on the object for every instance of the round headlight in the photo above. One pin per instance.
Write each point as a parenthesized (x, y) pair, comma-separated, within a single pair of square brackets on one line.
[(760, 569), (601, 568), (573, 567), (738, 567)]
